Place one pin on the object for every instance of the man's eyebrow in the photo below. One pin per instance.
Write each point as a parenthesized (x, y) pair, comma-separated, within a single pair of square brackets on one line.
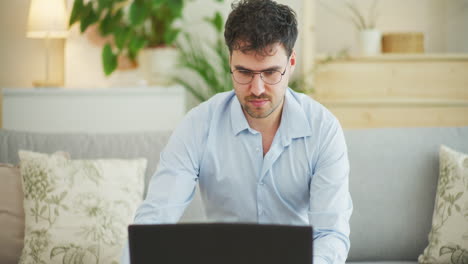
[(272, 68)]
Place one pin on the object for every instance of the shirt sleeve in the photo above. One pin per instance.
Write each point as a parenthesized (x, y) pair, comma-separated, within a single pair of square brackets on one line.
[(172, 187), (330, 205)]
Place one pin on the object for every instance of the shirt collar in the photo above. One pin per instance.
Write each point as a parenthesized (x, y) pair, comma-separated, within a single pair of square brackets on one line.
[(294, 122), (238, 121)]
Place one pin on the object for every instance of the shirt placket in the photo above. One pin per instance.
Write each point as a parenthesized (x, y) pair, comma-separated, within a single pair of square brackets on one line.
[(258, 148), (263, 183)]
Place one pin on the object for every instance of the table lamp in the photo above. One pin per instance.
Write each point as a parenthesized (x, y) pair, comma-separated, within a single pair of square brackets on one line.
[(47, 19)]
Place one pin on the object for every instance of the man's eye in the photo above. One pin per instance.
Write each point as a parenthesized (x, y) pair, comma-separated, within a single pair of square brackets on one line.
[(245, 73), (268, 73)]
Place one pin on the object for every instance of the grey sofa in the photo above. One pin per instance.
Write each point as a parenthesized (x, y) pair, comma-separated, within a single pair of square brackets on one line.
[(393, 179)]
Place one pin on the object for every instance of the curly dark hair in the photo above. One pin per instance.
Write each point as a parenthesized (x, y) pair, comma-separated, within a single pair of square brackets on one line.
[(254, 25)]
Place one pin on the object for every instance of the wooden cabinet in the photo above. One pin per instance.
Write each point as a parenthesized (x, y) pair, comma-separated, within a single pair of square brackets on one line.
[(106, 110), (395, 90)]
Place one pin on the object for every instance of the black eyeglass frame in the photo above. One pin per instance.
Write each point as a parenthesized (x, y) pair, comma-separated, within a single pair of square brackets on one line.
[(261, 76)]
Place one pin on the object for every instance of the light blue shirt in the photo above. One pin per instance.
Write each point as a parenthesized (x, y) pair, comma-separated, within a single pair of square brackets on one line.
[(302, 180)]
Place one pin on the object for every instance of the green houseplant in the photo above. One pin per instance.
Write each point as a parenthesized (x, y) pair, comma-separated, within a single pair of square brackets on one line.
[(131, 24), (208, 63)]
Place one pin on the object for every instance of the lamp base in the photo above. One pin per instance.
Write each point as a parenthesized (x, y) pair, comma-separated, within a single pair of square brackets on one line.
[(45, 84)]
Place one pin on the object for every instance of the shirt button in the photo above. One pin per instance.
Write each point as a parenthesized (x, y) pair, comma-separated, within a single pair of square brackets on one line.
[(257, 149), (261, 183)]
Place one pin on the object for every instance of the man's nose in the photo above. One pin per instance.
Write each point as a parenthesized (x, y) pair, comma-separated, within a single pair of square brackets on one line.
[(257, 86)]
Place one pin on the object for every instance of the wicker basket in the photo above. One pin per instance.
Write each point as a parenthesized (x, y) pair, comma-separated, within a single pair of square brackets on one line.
[(403, 43)]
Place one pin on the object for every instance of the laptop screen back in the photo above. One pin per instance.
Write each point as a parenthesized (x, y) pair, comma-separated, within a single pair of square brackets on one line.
[(220, 244)]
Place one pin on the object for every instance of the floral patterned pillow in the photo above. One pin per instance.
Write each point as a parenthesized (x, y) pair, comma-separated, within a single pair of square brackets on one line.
[(448, 239), (77, 211)]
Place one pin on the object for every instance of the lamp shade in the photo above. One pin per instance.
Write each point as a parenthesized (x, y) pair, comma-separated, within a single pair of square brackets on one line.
[(47, 18)]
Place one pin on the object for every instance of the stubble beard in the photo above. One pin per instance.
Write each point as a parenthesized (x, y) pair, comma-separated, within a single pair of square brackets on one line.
[(260, 115)]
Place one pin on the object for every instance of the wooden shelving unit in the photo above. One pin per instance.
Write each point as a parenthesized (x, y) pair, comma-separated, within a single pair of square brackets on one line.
[(395, 90), (388, 90)]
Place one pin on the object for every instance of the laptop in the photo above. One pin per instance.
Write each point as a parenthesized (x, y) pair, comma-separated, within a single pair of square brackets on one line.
[(220, 243)]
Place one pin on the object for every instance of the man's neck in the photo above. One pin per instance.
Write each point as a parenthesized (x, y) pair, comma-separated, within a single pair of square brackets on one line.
[(268, 124)]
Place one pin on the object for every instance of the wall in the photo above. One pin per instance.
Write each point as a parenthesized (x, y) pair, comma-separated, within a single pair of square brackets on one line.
[(457, 26), (443, 23), (23, 59)]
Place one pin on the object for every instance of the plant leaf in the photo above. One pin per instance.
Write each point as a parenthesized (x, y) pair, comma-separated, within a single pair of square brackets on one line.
[(57, 251), (104, 4), (107, 25), (136, 43), (109, 60), (94, 249), (218, 22), (446, 250), (76, 12), (170, 35), (69, 255), (79, 256), (138, 13), (175, 7), (43, 209), (121, 36), (88, 17), (156, 3), (355, 11)]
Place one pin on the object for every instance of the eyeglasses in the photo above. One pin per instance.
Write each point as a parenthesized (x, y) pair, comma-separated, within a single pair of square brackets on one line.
[(269, 76)]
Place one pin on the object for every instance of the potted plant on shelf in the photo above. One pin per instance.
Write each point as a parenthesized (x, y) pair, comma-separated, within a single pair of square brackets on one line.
[(131, 26), (370, 37)]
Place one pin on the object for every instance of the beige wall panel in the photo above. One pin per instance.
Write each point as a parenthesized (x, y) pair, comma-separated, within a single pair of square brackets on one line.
[(372, 117), (429, 79), (357, 80)]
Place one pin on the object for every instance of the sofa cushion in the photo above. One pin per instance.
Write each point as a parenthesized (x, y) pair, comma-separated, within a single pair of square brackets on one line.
[(393, 181), (11, 214), (78, 210), (97, 146), (448, 239), (87, 145)]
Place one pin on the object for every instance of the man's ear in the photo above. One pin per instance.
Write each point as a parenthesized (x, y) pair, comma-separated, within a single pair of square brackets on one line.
[(292, 61)]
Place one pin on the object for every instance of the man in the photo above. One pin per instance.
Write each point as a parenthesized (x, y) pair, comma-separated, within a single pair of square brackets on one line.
[(261, 153)]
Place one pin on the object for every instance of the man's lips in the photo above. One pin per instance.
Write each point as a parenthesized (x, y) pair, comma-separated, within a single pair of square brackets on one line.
[(258, 102)]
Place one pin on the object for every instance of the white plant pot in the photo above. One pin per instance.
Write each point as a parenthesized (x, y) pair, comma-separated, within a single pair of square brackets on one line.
[(370, 42), (158, 65)]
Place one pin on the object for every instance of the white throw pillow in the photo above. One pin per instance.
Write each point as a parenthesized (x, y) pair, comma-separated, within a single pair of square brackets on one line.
[(77, 211), (448, 239)]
